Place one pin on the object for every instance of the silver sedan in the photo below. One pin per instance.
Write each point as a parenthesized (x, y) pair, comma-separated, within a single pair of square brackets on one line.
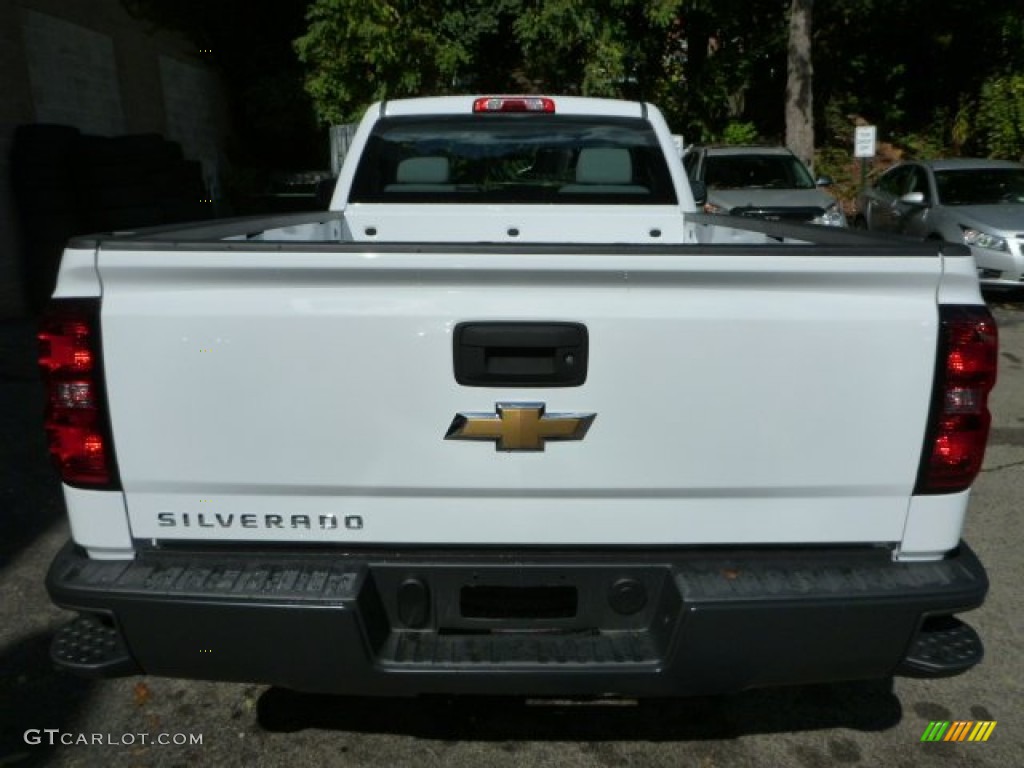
[(961, 200)]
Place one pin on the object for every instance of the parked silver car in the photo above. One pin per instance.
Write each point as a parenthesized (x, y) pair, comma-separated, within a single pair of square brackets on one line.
[(960, 200), (766, 182)]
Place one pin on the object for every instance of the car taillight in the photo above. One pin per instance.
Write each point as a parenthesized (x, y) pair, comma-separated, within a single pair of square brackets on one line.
[(76, 420), (959, 419), (514, 104)]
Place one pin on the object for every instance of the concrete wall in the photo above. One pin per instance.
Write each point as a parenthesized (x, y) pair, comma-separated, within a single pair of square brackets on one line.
[(194, 113), (72, 74), (89, 64)]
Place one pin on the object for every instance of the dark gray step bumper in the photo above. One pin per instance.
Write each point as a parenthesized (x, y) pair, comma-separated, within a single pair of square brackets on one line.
[(630, 622)]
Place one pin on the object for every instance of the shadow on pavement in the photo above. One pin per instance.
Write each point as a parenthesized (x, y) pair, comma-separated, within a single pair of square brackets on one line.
[(34, 696), (1012, 300), (869, 706), (30, 499)]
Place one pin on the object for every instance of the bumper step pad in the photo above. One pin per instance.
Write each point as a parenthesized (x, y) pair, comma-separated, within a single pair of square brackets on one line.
[(944, 648), (90, 647)]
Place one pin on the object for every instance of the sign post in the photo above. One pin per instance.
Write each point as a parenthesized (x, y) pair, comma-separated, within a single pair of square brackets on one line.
[(864, 147)]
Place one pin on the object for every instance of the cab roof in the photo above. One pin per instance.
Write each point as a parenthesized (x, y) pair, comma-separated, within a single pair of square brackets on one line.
[(463, 105)]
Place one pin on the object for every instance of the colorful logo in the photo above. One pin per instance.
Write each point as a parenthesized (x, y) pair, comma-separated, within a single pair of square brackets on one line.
[(958, 730)]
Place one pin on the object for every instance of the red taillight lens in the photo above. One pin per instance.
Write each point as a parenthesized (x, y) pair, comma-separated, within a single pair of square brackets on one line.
[(514, 104), (959, 423), (65, 344), (76, 424)]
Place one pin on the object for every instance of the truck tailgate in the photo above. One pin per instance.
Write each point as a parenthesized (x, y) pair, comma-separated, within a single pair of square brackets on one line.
[(776, 395)]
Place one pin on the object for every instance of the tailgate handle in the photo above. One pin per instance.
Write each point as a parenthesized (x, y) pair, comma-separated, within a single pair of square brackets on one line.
[(520, 354)]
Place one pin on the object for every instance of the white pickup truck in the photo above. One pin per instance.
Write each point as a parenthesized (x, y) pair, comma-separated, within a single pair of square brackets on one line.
[(512, 417)]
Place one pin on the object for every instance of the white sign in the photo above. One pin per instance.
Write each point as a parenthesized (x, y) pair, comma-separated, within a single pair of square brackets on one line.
[(864, 141)]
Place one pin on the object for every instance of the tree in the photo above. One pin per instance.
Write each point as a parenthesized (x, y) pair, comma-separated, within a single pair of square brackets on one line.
[(723, 59), (360, 51), (697, 60), (613, 48), (916, 68), (1000, 118), (910, 66), (799, 78)]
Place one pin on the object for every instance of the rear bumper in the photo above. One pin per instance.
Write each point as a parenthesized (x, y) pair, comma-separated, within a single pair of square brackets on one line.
[(682, 622)]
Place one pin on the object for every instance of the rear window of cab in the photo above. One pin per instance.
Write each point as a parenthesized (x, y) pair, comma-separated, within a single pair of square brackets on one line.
[(514, 158)]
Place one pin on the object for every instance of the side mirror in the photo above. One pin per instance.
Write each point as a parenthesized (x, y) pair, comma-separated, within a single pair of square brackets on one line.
[(913, 198), (700, 192), (824, 181)]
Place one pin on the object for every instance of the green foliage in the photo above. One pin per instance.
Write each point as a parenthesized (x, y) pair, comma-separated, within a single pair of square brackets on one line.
[(740, 133), (962, 125), (844, 169), (1000, 117), (600, 48), (359, 51), (735, 67), (931, 141), (717, 68)]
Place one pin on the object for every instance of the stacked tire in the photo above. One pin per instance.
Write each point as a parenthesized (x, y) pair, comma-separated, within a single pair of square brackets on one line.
[(67, 183)]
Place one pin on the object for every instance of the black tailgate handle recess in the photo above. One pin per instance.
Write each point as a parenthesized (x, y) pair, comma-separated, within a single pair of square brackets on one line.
[(520, 354)]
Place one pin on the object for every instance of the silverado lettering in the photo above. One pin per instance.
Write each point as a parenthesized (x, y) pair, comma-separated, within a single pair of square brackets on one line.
[(216, 519)]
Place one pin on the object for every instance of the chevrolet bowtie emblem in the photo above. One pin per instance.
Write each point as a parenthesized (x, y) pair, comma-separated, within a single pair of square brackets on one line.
[(519, 426)]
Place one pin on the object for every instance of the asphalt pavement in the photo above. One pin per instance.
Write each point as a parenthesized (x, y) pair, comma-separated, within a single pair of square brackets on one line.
[(116, 723)]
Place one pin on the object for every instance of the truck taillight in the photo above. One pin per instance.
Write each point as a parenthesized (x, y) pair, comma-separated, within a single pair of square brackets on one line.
[(514, 104), (959, 419), (76, 420)]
